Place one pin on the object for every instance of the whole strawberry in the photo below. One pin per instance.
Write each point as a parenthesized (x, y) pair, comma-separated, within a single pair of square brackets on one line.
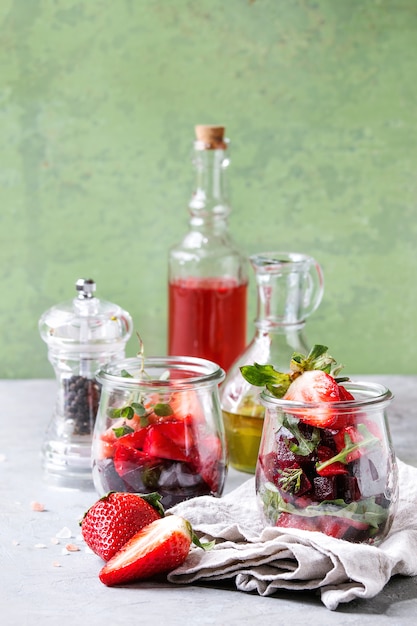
[(115, 518), (312, 379), (156, 549)]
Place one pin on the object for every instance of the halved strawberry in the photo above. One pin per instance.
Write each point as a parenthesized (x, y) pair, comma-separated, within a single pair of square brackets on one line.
[(316, 387), (158, 548), (115, 518)]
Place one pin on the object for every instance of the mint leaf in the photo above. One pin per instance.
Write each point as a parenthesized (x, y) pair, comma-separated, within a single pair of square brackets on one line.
[(126, 412), (123, 430), (162, 410), (139, 408)]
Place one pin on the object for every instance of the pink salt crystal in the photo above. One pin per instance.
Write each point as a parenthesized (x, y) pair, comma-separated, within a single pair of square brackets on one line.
[(37, 506), (56, 564), (71, 547)]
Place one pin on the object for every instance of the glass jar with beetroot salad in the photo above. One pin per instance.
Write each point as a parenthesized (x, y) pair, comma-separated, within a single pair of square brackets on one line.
[(329, 467), (159, 428)]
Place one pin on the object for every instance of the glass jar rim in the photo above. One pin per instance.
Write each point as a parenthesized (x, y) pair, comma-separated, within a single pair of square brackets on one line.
[(271, 259), (369, 393), (195, 370)]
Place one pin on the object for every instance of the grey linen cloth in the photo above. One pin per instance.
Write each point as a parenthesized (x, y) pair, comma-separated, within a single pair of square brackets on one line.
[(266, 560)]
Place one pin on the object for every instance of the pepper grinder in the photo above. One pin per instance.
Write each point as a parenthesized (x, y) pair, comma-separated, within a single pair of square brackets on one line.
[(82, 335)]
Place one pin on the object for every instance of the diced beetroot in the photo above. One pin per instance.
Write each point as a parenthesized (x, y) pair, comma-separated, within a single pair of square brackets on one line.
[(325, 488), (324, 454), (286, 458), (282, 480), (268, 464), (348, 488), (158, 445)]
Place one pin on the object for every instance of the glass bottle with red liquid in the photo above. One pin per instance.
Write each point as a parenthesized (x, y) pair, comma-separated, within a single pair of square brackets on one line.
[(207, 273)]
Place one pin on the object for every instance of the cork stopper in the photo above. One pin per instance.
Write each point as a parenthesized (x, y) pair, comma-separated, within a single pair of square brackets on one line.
[(210, 137)]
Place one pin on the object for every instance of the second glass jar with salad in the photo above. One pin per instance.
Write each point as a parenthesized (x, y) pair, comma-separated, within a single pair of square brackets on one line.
[(329, 467)]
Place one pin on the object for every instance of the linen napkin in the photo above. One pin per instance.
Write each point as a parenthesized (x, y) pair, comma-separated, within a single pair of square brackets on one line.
[(266, 560)]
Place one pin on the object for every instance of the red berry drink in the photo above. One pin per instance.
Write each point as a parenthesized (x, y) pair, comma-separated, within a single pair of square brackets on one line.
[(207, 318)]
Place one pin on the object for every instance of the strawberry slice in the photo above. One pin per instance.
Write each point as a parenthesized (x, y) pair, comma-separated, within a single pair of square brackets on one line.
[(157, 444), (158, 548), (187, 406), (133, 440), (209, 463), (317, 387), (127, 459)]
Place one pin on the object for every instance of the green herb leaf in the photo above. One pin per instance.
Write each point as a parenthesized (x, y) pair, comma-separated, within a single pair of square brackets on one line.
[(290, 479), (266, 376), (123, 430), (126, 412), (125, 374), (305, 446), (139, 408), (365, 511), (162, 410)]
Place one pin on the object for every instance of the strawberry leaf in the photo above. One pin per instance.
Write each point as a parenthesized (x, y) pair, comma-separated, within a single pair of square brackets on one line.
[(266, 376), (205, 545), (154, 499)]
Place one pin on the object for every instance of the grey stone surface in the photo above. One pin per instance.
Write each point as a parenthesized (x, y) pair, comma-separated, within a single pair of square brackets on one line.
[(40, 583)]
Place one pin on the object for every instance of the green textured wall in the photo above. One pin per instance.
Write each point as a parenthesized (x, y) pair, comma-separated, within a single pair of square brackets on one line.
[(98, 100)]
